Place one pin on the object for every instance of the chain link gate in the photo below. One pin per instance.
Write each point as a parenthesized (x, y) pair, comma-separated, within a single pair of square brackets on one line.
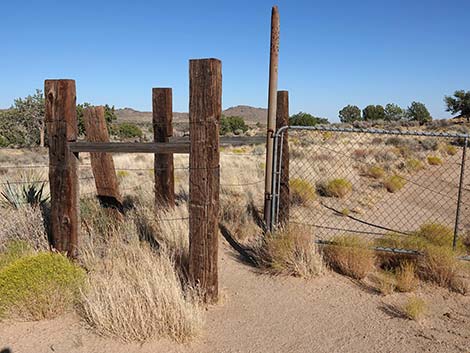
[(370, 182)]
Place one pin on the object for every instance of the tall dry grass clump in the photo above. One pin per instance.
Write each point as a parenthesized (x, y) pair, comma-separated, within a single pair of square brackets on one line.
[(23, 224), (290, 251), (350, 255), (136, 288), (406, 278)]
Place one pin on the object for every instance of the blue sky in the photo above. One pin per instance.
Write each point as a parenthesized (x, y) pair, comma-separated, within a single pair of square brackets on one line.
[(332, 53)]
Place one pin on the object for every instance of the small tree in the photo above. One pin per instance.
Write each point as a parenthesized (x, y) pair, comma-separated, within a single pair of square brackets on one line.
[(417, 111), (109, 115), (459, 103), (393, 112), (305, 119), (349, 114), (232, 124), (30, 112), (373, 112), (127, 130)]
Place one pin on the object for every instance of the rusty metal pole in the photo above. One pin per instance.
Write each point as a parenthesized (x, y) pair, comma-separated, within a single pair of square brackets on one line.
[(272, 102)]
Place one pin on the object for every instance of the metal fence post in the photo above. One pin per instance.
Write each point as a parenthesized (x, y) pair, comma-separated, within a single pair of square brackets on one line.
[(459, 197)]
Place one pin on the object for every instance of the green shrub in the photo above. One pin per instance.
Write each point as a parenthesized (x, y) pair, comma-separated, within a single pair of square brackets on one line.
[(338, 187), (127, 130), (413, 165), (375, 172), (350, 255), (450, 150), (394, 183), (434, 160), (305, 119), (39, 286), (436, 234), (232, 124), (301, 191)]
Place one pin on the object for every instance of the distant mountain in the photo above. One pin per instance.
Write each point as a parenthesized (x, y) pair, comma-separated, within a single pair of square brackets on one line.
[(251, 115)]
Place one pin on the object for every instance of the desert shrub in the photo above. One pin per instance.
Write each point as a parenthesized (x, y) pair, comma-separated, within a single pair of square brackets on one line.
[(385, 282), (39, 286), (14, 250), (290, 251), (377, 141), (406, 280), (122, 174), (394, 183), (434, 160), (439, 265), (429, 144), (436, 234), (232, 124), (301, 191), (127, 130), (375, 172), (413, 165), (395, 141), (134, 293), (338, 187), (349, 255), (25, 224), (30, 191), (450, 150), (414, 308), (400, 241), (361, 153)]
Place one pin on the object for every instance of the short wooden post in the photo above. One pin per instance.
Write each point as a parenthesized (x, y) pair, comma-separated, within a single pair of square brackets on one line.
[(102, 164), (282, 119), (163, 163), (205, 109), (62, 128)]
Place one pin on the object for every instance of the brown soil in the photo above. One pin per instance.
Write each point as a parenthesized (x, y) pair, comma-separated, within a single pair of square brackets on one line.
[(259, 313)]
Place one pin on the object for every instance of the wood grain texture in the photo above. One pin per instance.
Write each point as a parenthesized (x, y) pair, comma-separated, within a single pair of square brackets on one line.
[(61, 123), (272, 106), (163, 162), (205, 109), (102, 164), (282, 119), (130, 147)]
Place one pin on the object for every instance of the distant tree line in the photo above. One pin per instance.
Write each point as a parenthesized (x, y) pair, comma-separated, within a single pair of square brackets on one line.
[(305, 119), (417, 111)]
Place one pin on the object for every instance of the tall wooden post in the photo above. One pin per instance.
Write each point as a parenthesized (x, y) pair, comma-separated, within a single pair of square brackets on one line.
[(272, 96), (163, 163), (282, 119), (102, 164), (62, 128), (205, 109)]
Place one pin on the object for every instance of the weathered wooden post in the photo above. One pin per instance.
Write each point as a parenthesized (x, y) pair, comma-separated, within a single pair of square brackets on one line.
[(273, 74), (205, 109), (282, 119), (163, 163), (62, 128), (102, 164)]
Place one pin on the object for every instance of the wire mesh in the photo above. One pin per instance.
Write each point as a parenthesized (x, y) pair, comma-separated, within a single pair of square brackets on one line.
[(373, 182)]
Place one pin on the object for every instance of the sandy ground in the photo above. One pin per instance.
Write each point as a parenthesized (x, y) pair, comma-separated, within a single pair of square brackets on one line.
[(260, 313)]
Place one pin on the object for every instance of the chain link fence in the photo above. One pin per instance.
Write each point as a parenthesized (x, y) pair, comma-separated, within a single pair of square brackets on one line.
[(371, 182)]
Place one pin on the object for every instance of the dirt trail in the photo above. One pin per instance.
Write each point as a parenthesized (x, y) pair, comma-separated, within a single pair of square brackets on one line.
[(259, 313)]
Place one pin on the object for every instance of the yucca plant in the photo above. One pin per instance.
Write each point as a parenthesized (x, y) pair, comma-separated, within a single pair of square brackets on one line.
[(30, 191)]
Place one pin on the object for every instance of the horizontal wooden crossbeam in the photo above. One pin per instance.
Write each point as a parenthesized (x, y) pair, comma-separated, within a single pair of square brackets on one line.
[(130, 147)]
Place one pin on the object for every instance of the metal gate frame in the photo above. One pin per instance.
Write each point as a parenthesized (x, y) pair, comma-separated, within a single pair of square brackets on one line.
[(278, 158)]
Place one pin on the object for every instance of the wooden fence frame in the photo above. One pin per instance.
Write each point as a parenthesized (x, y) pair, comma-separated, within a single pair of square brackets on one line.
[(204, 114)]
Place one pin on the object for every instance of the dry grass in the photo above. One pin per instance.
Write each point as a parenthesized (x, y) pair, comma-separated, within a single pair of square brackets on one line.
[(406, 280), (301, 192), (290, 251), (24, 224), (135, 294), (439, 265), (350, 255), (414, 308), (434, 160), (338, 187), (385, 282), (394, 183)]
